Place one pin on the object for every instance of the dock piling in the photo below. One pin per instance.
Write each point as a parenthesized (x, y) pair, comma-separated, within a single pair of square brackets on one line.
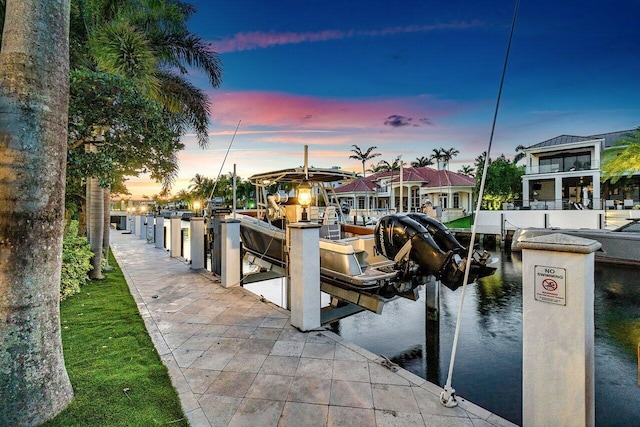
[(558, 365)]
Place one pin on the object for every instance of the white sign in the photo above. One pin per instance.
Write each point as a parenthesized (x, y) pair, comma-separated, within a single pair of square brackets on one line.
[(550, 284)]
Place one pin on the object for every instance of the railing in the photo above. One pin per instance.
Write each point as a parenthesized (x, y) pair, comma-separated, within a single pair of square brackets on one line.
[(557, 167)]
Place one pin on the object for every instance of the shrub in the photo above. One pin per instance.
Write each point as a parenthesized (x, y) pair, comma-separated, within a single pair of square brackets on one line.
[(76, 261)]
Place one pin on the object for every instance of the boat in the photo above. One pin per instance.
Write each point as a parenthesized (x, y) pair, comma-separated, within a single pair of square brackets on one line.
[(386, 260), (619, 246)]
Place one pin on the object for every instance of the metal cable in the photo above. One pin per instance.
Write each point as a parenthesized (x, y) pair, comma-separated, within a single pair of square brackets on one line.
[(447, 397)]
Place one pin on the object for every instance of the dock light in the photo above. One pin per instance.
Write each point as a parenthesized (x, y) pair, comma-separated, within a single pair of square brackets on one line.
[(196, 207), (304, 198), (143, 209)]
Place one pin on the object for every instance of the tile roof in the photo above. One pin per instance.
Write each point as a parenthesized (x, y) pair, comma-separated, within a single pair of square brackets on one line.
[(428, 177), (360, 185)]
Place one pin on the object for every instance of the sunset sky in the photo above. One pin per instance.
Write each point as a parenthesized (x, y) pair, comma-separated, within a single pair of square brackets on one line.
[(407, 77)]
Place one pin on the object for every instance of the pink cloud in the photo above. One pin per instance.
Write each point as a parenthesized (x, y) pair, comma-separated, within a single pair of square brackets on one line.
[(259, 40), (273, 111)]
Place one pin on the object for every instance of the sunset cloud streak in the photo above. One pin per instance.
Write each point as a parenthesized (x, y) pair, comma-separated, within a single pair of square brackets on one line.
[(260, 40)]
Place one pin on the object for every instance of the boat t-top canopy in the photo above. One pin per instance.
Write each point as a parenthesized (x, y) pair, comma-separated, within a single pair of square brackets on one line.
[(299, 175)]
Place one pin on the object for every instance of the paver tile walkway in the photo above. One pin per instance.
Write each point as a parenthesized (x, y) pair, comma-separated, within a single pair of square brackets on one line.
[(235, 359)]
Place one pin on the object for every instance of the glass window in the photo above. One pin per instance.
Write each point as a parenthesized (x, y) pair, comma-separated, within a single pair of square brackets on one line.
[(456, 200), (443, 200)]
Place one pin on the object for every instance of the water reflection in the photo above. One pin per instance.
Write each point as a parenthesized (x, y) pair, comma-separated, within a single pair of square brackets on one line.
[(488, 369)]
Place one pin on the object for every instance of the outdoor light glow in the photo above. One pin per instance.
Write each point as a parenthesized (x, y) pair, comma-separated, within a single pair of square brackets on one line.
[(304, 198), (196, 205), (304, 194)]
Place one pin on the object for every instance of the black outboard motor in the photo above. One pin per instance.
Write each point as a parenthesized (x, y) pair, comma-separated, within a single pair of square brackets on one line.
[(399, 238), (441, 234), (432, 247)]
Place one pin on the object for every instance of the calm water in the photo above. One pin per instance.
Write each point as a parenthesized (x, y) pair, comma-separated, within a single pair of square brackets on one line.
[(488, 367)]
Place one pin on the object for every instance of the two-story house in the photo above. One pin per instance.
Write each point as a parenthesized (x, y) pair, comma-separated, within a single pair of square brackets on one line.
[(564, 173)]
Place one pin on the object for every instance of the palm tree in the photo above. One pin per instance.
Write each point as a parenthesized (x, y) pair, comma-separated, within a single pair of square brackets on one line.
[(363, 156), (201, 186), (439, 156), (467, 170), (623, 158), (148, 43), (385, 166), (422, 161), (33, 120), (448, 155), (520, 154)]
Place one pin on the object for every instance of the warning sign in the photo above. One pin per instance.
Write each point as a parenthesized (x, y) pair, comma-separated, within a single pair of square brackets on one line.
[(550, 284)]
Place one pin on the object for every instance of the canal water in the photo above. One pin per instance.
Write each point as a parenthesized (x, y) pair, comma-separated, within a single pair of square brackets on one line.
[(488, 367)]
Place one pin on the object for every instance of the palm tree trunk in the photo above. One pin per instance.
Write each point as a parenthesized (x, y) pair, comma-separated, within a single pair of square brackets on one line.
[(96, 227), (34, 98), (106, 227)]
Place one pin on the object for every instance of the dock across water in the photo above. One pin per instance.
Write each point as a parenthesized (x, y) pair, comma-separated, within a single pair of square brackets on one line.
[(235, 359)]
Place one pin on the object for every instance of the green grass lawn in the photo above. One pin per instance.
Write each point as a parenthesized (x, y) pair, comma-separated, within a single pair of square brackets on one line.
[(460, 223), (116, 373)]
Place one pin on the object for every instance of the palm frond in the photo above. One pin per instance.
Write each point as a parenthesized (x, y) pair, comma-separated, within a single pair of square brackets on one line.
[(188, 101), (120, 49)]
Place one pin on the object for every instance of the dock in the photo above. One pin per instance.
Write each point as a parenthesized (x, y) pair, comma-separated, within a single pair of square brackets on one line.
[(235, 359)]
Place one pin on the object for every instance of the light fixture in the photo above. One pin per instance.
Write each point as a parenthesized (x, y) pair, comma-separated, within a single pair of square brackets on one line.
[(196, 207), (304, 198)]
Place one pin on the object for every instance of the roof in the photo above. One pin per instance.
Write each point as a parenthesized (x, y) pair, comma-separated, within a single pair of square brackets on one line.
[(609, 139), (426, 176), (359, 185)]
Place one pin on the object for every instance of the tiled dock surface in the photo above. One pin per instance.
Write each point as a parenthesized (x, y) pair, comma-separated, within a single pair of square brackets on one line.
[(236, 360)]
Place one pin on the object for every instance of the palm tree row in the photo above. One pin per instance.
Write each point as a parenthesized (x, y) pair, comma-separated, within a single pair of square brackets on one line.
[(440, 155), (203, 188)]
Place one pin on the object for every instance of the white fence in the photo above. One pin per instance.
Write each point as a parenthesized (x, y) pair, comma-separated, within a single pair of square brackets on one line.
[(498, 222)]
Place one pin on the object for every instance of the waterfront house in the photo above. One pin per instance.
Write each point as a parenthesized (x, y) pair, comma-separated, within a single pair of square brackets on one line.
[(564, 173), (449, 194)]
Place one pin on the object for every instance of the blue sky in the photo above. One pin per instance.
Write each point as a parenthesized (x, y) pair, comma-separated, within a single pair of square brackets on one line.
[(407, 78)]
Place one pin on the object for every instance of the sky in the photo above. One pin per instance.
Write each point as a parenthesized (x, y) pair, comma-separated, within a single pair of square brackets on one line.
[(406, 77)]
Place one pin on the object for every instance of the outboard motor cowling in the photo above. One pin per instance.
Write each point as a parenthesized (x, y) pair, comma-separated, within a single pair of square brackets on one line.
[(401, 239), (430, 245), (441, 234)]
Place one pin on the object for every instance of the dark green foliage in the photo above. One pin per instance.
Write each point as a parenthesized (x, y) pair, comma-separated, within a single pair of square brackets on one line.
[(117, 375), (76, 261), (503, 183), (149, 43), (138, 134)]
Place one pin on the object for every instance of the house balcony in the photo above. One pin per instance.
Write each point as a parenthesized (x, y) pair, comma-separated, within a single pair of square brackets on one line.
[(559, 168)]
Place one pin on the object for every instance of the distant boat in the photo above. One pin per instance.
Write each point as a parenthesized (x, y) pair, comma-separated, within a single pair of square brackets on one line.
[(383, 260), (619, 246)]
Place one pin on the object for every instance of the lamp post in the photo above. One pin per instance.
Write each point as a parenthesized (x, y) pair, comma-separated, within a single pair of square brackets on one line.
[(196, 207), (304, 198)]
